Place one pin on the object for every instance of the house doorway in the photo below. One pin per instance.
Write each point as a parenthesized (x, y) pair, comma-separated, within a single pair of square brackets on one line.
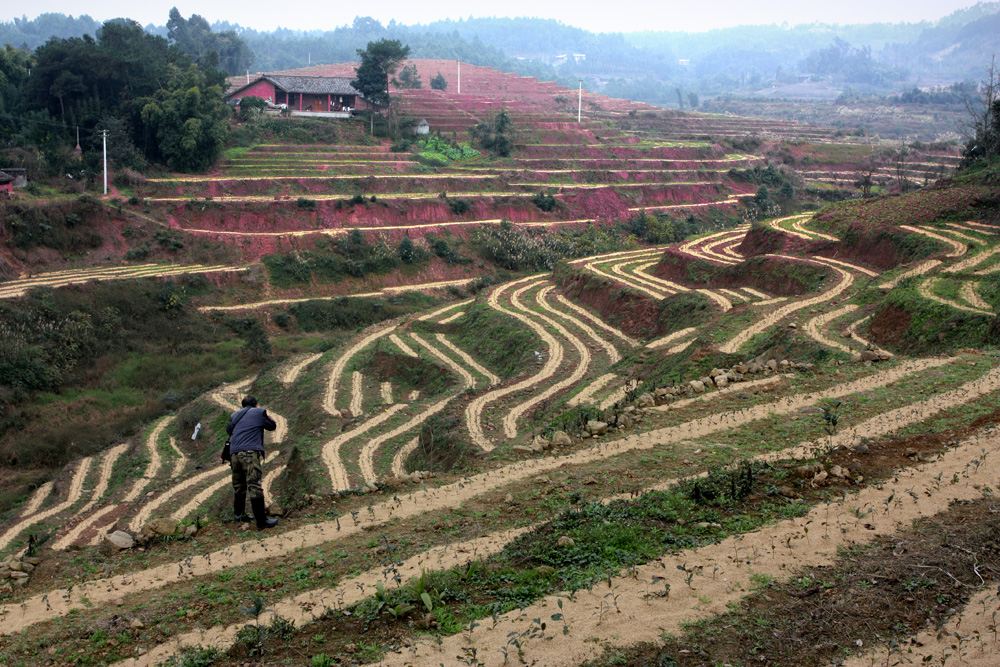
[(317, 104)]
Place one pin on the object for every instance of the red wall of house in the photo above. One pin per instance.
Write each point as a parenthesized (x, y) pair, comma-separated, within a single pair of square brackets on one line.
[(7, 187), (261, 89)]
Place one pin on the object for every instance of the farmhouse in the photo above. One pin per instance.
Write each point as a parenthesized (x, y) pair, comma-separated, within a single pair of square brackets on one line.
[(318, 96)]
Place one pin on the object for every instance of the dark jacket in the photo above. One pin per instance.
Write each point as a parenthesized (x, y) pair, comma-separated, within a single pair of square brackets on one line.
[(249, 432)]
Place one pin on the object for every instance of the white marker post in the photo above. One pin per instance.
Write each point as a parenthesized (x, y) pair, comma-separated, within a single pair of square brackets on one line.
[(104, 138)]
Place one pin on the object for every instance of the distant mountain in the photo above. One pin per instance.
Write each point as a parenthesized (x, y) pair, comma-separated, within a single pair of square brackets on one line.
[(657, 67)]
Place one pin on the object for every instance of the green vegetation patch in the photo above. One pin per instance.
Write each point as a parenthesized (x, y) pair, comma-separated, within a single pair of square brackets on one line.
[(910, 323), (346, 257), (498, 341), (353, 313)]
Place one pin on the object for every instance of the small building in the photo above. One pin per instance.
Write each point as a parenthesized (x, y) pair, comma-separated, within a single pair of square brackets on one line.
[(317, 96), (19, 175), (422, 127)]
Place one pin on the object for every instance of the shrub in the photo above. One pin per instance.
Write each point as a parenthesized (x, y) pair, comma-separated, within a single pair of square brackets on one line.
[(459, 206), (544, 201), (306, 204), (438, 82), (252, 107)]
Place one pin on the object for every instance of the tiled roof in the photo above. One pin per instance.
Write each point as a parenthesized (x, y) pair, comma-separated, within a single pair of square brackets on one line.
[(311, 85), (316, 85)]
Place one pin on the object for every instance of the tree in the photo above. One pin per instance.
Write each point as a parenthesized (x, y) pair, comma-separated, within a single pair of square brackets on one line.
[(494, 135), (194, 37), (438, 82), (379, 61), (982, 122), (408, 78), (188, 119)]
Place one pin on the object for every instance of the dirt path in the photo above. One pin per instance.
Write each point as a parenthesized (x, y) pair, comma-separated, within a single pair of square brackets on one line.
[(968, 293), (59, 602), (339, 479), (220, 479), (642, 269), (74, 494), (636, 282), (814, 328), (737, 551), (468, 360), (716, 249), (846, 279), (721, 301), (845, 265), (399, 460), (587, 395), (511, 418), (474, 410), (925, 291), (919, 270), (292, 372), (146, 513), (385, 389), (969, 637), (452, 318), (307, 607), (787, 226), (17, 288), (330, 398), (111, 456), (957, 247), (382, 292), (799, 225), (729, 389), (401, 344), (596, 320), (181, 462), (613, 355), (367, 457), (974, 260), (36, 499), (622, 279), (468, 380), (357, 393), (702, 247), (619, 613), (441, 311), (861, 339), (961, 235), (672, 337)]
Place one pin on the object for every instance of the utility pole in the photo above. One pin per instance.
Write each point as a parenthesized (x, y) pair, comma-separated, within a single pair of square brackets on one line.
[(579, 102), (104, 139), (459, 76)]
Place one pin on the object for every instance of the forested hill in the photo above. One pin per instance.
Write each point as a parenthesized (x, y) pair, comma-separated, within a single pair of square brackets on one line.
[(648, 66)]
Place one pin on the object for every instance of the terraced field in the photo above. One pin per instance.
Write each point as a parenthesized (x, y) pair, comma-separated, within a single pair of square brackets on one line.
[(567, 466)]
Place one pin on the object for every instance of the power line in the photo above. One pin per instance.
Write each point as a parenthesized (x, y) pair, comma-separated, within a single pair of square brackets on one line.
[(45, 122)]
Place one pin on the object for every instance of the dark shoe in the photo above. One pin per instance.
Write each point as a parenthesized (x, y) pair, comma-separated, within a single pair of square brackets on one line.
[(240, 508), (242, 518), (260, 514)]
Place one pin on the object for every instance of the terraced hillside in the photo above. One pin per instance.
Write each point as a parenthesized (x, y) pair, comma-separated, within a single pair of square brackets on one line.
[(764, 440)]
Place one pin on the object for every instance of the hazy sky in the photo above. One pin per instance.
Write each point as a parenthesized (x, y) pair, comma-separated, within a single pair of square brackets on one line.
[(619, 16)]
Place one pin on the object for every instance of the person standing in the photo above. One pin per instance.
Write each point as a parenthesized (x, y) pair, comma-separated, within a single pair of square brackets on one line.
[(246, 447)]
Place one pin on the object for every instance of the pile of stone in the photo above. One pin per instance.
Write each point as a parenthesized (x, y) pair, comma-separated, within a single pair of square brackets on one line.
[(417, 476), (541, 444), (871, 356), (721, 378), (15, 571)]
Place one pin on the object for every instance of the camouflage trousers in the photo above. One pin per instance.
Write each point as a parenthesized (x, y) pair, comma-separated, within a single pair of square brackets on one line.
[(247, 473)]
